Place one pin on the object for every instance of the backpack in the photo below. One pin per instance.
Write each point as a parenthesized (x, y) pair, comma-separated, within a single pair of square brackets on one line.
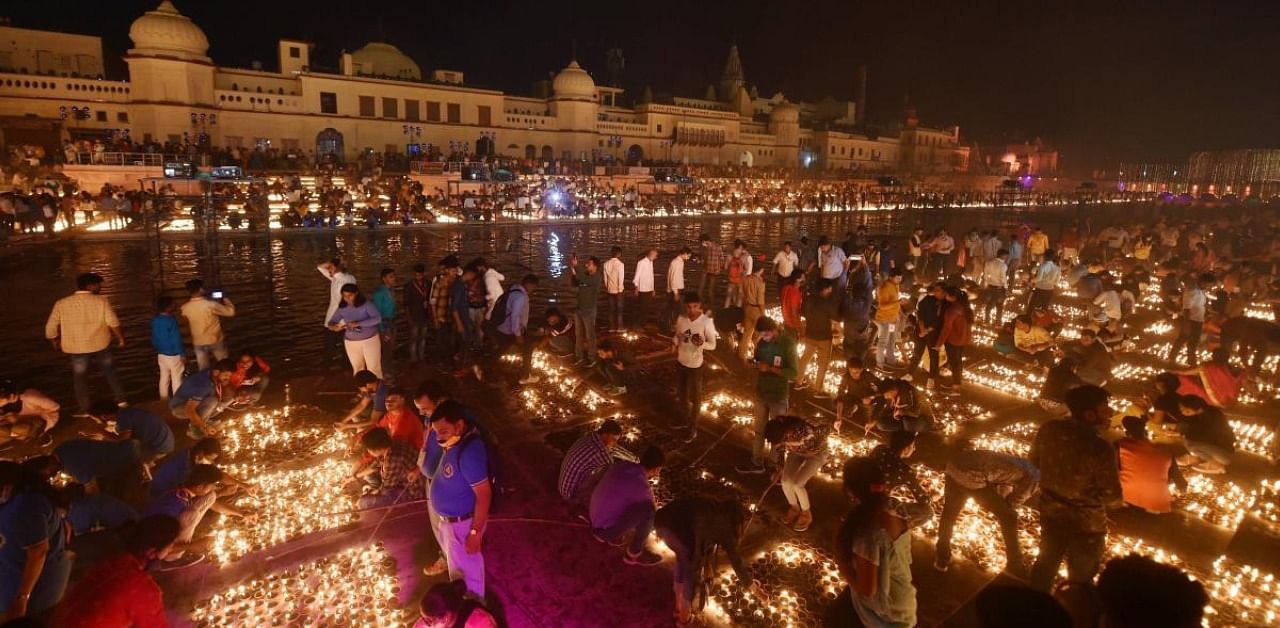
[(499, 314)]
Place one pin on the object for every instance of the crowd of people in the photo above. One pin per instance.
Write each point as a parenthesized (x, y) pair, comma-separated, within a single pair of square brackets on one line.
[(898, 321)]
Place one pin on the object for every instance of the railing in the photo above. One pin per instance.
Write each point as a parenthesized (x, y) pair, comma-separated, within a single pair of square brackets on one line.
[(124, 159)]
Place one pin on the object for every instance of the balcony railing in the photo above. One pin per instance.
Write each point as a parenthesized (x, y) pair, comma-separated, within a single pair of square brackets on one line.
[(124, 159)]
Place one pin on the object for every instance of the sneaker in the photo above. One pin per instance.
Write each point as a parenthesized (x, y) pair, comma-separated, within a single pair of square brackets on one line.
[(532, 379), (801, 385), (122, 404), (821, 394), (619, 390), (678, 425), (598, 535), (644, 558), (475, 368), (929, 384), (750, 469), (940, 565), (1210, 468), (186, 560), (906, 377), (590, 364), (690, 437), (436, 568)]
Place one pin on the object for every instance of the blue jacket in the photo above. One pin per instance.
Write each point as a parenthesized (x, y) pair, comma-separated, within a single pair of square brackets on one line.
[(165, 336)]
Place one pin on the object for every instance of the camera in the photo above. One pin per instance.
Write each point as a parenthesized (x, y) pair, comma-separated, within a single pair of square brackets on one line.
[(216, 294)]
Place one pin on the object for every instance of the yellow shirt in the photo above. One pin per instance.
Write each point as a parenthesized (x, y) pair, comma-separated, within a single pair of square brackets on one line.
[(1038, 243), (204, 316), (1032, 337), (888, 307), (83, 321)]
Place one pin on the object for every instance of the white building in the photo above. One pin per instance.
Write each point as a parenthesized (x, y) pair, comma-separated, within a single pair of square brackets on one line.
[(381, 100)]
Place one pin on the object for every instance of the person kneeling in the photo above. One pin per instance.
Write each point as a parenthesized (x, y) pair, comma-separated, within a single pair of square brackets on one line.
[(188, 504), (693, 528), (616, 365), (384, 477), (623, 501), (800, 450)]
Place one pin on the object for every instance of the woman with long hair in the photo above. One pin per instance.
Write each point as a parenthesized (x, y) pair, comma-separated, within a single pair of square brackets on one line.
[(358, 320), (34, 562), (446, 605), (695, 529), (873, 549), (956, 332)]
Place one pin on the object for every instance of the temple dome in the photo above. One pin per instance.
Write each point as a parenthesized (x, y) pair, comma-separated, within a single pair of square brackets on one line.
[(574, 82), (166, 32), (785, 112), (383, 59)]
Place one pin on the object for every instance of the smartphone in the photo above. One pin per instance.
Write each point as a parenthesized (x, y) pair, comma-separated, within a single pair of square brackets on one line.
[(856, 258), (216, 294)]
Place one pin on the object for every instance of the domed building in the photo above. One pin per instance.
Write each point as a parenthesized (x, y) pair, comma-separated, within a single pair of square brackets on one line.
[(384, 60), (165, 32), (573, 83)]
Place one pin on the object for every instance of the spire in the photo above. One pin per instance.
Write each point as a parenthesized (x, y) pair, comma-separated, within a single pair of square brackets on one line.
[(733, 78)]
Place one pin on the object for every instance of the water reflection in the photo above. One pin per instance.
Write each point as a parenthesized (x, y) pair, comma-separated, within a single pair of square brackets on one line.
[(280, 298)]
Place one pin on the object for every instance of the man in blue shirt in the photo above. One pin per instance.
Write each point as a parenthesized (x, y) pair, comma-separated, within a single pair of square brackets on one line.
[(384, 298), (373, 400), (188, 504), (456, 461), (514, 329), (623, 500), (101, 461), (167, 341), (200, 398), (34, 562), (174, 470), (153, 435)]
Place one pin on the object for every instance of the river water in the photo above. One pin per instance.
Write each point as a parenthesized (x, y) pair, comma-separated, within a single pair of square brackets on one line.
[(280, 297)]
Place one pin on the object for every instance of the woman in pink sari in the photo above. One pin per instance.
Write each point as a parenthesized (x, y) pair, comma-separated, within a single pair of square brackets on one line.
[(1216, 381)]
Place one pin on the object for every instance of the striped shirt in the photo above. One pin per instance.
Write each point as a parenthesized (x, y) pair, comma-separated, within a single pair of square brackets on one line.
[(83, 321)]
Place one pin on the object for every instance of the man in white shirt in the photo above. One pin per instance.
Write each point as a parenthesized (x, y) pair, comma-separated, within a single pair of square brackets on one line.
[(1045, 282), (832, 262), (944, 247), (337, 274), (492, 285), (643, 280), (995, 277), (695, 333), (784, 263), (615, 275), (675, 284)]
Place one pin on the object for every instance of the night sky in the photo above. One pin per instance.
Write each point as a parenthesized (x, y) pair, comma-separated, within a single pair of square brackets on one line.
[(1103, 81)]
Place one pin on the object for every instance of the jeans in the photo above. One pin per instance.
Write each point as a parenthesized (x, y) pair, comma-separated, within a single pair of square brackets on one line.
[(707, 287), (171, 370), (388, 340), (584, 334), (365, 355), (733, 295), (1083, 551), (1207, 451), (1188, 335), (821, 351), (917, 354), (469, 567), (689, 395), (207, 409), (644, 307), (684, 581), (418, 333), (253, 393), (616, 307), (218, 349), (80, 376), (765, 411), (955, 361), (954, 497), (475, 331), (886, 343), (637, 517), (796, 472), (993, 298)]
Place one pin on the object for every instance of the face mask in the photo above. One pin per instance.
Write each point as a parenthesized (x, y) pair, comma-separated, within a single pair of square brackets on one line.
[(451, 442)]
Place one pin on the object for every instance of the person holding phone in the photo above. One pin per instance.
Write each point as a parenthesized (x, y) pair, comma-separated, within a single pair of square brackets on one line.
[(205, 314), (695, 333), (775, 359), (358, 319)]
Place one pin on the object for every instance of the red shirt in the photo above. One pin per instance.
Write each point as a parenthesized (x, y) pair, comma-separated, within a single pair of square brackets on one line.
[(116, 594), (792, 301), (242, 373), (404, 425)]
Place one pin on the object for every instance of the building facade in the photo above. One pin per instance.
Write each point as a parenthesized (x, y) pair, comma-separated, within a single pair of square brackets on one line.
[(380, 100)]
